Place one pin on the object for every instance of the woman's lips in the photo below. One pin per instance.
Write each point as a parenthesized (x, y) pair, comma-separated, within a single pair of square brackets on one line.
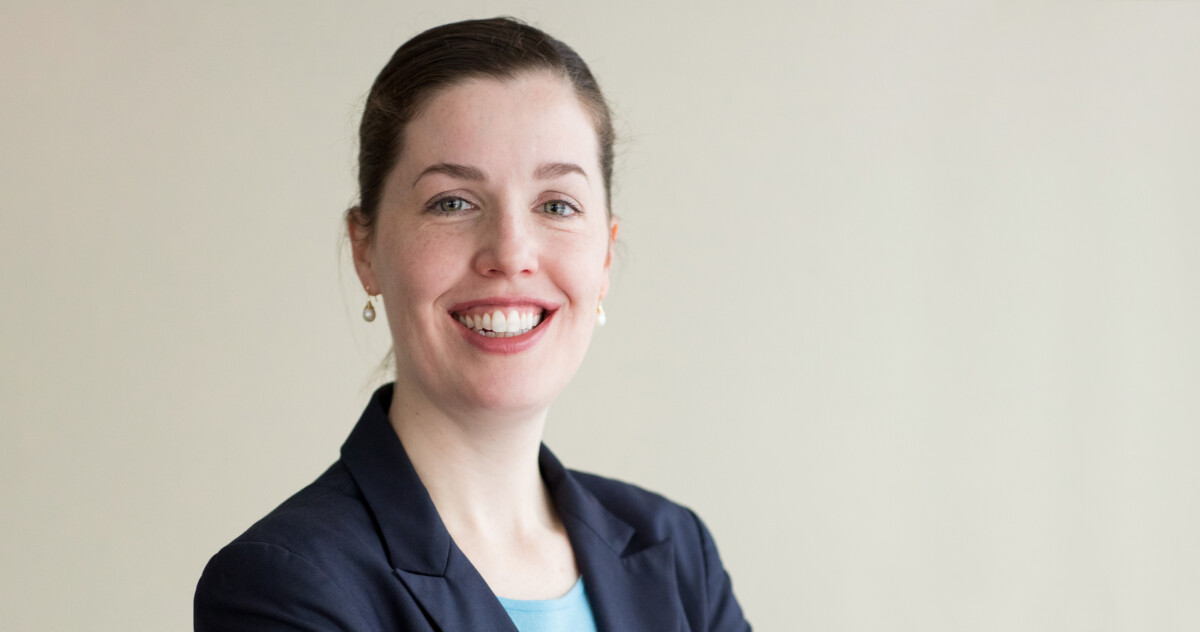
[(479, 328), (501, 322), (503, 325), (502, 317)]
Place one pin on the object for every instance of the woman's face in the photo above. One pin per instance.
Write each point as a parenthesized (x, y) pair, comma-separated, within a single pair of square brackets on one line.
[(492, 246)]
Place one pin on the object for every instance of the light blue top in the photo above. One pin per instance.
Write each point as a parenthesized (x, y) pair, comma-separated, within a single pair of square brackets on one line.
[(569, 613)]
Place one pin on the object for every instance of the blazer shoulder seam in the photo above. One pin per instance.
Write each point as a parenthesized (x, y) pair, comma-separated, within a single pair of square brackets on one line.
[(345, 594), (307, 562)]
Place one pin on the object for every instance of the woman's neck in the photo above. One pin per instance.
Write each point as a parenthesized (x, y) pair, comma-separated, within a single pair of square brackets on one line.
[(481, 470), (482, 473)]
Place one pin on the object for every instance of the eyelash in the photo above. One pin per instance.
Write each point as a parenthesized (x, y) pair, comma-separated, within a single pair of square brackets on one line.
[(575, 210), (435, 206)]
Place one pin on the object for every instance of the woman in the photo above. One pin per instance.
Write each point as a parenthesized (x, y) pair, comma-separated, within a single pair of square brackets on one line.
[(484, 227)]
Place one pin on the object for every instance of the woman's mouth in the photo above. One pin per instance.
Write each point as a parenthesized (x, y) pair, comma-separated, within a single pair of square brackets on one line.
[(501, 322)]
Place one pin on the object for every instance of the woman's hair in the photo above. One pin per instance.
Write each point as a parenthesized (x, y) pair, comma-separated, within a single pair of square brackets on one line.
[(498, 48)]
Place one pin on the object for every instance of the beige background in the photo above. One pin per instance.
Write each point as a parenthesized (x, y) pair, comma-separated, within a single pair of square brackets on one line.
[(906, 309)]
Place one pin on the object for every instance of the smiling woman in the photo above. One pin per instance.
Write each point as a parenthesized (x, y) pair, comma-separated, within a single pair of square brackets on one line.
[(490, 210), (484, 226)]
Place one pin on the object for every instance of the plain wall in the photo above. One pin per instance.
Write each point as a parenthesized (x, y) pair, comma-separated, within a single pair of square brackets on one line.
[(906, 309)]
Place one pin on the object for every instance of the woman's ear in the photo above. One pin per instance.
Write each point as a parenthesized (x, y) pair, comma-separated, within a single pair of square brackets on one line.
[(613, 225), (360, 245)]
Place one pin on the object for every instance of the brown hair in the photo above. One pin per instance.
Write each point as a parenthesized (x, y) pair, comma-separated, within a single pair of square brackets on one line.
[(497, 48)]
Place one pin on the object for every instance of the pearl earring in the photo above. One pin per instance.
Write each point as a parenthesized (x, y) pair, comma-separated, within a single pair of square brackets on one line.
[(369, 310), (601, 318)]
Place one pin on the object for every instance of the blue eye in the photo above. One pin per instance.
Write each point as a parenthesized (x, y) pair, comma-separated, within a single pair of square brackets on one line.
[(450, 205), (559, 208)]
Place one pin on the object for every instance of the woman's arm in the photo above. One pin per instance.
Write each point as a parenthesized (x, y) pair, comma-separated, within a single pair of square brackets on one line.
[(724, 614)]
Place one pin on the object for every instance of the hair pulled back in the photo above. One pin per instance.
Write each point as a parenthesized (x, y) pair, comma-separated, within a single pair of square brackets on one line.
[(497, 48)]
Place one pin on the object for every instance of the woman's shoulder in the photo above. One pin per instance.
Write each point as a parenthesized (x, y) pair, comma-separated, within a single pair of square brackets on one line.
[(323, 524), (315, 557)]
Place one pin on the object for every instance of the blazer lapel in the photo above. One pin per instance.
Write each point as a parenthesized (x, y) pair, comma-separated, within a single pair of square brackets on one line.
[(634, 593), (458, 600), (631, 584), (419, 548)]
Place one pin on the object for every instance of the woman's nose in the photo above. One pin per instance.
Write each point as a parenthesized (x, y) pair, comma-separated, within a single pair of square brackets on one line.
[(508, 245)]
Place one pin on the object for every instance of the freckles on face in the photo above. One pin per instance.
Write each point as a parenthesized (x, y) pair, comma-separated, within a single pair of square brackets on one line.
[(495, 208)]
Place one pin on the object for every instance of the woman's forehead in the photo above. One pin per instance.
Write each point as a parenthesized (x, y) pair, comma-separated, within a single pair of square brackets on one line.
[(519, 124)]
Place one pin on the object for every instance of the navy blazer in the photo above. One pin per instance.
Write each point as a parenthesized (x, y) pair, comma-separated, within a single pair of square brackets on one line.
[(363, 548)]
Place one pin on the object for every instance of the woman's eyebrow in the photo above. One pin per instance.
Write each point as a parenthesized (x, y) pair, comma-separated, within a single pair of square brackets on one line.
[(461, 172), (555, 169)]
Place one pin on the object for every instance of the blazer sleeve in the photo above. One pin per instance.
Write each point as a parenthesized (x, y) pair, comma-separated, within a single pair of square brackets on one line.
[(266, 588), (724, 613)]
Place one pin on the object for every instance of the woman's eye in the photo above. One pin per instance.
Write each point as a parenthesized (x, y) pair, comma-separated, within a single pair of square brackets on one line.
[(450, 205), (559, 208)]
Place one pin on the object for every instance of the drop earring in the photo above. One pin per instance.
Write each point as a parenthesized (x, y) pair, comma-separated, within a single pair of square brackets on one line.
[(601, 318), (369, 310)]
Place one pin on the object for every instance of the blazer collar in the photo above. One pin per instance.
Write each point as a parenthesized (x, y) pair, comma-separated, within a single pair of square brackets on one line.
[(630, 588)]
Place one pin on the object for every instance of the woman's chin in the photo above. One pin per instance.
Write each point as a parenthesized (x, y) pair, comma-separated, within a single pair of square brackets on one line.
[(509, 399)]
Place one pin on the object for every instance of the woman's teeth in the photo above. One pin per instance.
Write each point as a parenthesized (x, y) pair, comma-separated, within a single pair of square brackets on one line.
[(500, 324)]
